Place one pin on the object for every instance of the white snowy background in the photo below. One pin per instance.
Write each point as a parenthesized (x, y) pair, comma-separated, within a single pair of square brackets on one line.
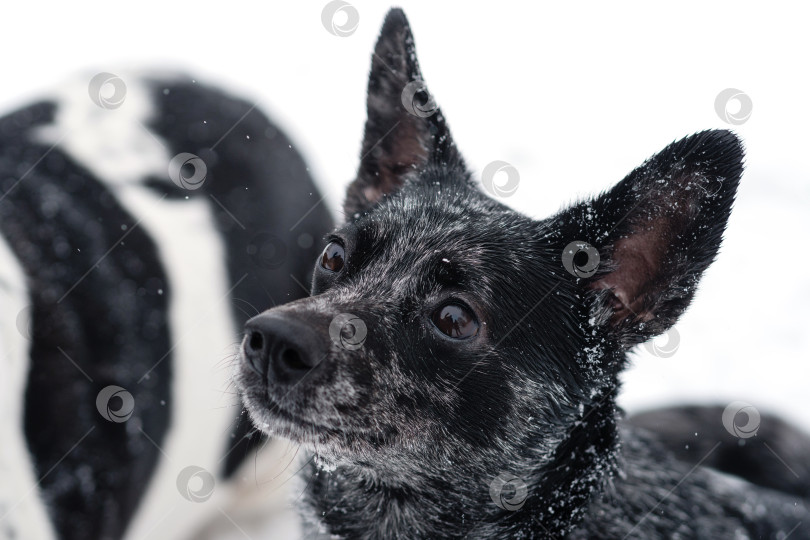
[(574, 95)]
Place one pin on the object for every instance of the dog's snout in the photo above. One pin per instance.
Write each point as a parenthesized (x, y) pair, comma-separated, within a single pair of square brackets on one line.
[(282, 348)]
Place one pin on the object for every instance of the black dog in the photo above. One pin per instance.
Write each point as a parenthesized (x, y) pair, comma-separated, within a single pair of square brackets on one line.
[(455, 371)]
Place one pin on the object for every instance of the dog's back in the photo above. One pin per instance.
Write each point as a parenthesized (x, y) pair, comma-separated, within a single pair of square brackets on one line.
[(143, 219), (775, 457)]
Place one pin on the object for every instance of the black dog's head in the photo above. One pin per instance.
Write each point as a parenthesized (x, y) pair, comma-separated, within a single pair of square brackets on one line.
[(446, 328)]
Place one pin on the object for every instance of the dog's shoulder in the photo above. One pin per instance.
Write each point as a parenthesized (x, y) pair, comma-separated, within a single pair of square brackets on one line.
[(656, 495)]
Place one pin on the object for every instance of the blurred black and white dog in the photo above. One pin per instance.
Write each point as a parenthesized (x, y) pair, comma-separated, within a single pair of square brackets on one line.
[(141, 220), (455, 372)]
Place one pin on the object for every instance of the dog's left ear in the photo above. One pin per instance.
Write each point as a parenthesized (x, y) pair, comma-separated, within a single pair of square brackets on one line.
[(405, 130), (653, 234)]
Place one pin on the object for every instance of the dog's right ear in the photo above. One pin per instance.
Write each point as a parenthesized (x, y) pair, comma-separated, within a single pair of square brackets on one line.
[(643, 245), (405, 130)]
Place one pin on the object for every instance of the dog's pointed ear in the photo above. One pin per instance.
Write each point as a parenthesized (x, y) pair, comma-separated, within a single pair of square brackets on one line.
[(652, 235), (405, 130)]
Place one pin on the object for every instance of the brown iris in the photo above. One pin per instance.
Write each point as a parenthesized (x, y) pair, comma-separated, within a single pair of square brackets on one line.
[(456, 321), (333, 257)]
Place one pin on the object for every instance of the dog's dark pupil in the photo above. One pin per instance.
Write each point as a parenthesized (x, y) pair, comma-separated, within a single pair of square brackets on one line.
[(333, 257), (455, 321)]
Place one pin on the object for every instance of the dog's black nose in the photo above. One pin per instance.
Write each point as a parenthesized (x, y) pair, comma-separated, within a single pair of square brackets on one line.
[(282, 348)]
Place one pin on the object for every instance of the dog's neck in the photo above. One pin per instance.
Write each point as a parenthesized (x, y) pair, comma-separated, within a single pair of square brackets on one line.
[(453, 500)]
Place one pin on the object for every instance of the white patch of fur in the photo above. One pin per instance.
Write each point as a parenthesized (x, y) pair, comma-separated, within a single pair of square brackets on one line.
[(22, 514), (116, 146)]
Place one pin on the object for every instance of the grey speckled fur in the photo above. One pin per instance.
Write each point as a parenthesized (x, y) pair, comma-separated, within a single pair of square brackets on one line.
[(408, 432)]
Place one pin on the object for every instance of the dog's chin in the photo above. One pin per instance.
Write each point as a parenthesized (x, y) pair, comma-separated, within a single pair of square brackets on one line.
[(267, 415), (334, 437), (274, 419), (332, 445), (275, 425)]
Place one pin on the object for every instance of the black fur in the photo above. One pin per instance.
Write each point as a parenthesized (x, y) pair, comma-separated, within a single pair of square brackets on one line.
[(260, 178), (408, 432), (116, 337), (690, 432), (60, 220)]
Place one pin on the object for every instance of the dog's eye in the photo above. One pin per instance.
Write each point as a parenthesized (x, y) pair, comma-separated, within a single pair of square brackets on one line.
[(333, 257), (456, 321)]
